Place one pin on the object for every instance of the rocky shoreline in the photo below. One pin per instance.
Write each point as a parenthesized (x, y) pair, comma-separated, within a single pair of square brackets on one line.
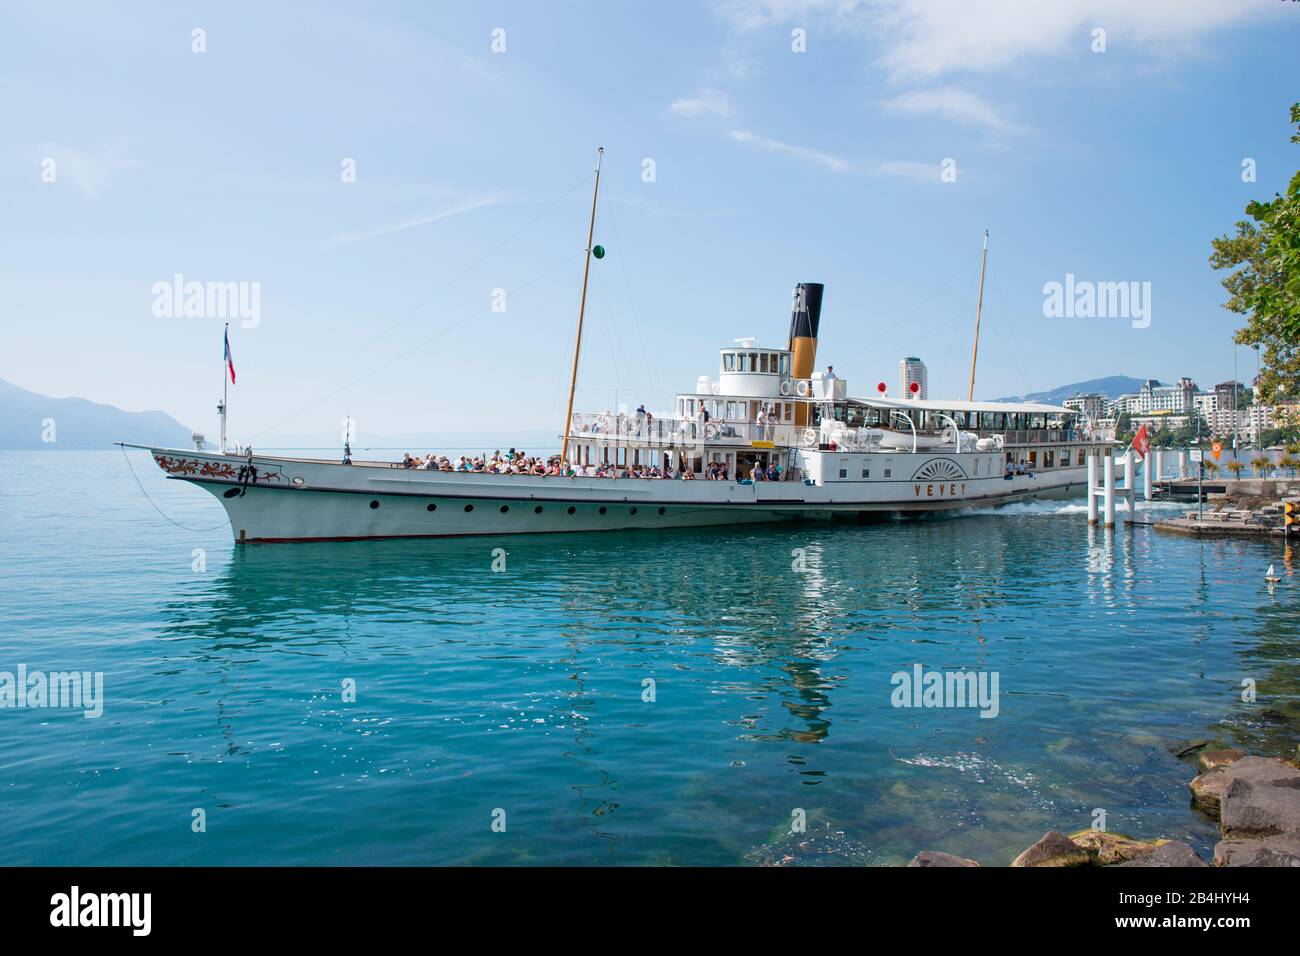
[(1256, 801)]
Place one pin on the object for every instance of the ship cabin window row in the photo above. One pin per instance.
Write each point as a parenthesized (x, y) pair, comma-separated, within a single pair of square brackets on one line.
[(736, 410), (869, 416), (757, 360)]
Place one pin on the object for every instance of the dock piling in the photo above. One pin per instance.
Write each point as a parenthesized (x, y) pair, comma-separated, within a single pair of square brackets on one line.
[(1092, 489)]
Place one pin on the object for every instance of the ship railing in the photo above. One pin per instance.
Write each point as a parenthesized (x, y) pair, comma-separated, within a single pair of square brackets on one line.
[(681, 432)]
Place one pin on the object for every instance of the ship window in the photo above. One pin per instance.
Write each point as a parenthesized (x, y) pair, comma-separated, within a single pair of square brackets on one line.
[(537, 510), (977, 466), (1065, 458), (866, 472), (785, 364), (603, 509), (374, 504), (469, 507), (844, 472), (753, 361), (431, 507), (632, 511), (661, 510), (889, 472), (505, 508), (572, 509), (729, 361)]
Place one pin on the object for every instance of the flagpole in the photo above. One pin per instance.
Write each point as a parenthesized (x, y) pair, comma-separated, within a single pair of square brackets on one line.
[(225, 385)]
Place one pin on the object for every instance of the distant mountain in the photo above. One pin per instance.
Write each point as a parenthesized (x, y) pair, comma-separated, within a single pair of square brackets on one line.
[(1112, 387), (78, 423)]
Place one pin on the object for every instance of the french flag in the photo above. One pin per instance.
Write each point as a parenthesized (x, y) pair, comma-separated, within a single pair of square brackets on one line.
[(230, 362)]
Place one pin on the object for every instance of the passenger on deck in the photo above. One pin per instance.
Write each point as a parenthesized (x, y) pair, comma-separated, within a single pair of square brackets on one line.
[(756, 473)]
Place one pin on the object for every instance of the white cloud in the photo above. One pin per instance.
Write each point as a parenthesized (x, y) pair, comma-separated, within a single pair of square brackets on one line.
[(895, 168), (955, 105), (930, 38), (88, 171), (910, 169), (833, 163), (415, 221), (711, 101)]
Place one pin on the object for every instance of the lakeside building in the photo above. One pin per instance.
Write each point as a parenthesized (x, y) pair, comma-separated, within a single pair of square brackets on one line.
[(1093, 406), (1173, 407), (912, 369)]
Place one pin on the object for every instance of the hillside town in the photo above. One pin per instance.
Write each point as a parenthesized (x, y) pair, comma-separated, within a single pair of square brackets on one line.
[(1179, 413)]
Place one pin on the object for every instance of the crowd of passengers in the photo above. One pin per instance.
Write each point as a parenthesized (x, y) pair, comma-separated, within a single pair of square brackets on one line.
[(518, 463)]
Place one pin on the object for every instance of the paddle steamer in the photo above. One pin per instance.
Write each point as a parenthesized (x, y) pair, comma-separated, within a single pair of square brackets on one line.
[(834, 456)]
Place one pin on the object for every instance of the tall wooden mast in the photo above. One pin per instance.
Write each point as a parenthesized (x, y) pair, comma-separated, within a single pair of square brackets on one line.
[(978, 309), (582, 308)]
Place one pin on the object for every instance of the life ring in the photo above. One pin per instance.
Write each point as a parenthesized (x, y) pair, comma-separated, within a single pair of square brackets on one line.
[(710, 430), (810, 436), (786, 387), (803, 388)]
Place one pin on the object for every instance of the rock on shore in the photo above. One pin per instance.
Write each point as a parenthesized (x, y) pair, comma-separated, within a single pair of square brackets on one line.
[(1257, 803)]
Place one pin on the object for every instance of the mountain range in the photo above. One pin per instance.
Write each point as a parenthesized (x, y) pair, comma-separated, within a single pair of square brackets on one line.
[(1113, 386), (29, 420)]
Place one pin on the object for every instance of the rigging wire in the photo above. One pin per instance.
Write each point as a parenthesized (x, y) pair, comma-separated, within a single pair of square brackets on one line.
[(942, 286), (480, 260), (414, 348), (159, 510)]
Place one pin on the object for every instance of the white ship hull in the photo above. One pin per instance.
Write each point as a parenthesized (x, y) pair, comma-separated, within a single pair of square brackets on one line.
[(309, 500)]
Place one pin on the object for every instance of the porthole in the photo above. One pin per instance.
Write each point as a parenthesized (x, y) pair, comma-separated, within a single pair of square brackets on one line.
[(374, 504), (537, 510), (603, 509), (632, 511), (469, 507), (661, 510), (430, 507), (505, 508), (231, 492), (572, 509)]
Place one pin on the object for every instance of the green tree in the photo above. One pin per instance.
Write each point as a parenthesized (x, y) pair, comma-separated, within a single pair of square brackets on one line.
[(1265, 284), (1261, 464)]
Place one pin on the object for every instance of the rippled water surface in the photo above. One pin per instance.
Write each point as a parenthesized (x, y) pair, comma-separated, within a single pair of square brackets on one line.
[(523, 690)]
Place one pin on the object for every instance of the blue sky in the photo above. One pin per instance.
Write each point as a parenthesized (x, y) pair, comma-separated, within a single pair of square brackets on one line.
[(473, 173)]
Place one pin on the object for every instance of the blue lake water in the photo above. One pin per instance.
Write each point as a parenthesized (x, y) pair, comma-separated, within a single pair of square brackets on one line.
[(523, 690)]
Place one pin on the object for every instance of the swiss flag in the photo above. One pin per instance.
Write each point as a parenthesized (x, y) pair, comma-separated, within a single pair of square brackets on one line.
[(1141, 443)]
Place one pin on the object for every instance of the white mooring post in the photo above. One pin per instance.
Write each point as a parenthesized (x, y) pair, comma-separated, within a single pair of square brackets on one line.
[(1129, 489), (1182, 463), (1092, 489), (1147, 462), (1160, 465), (1108, 490)]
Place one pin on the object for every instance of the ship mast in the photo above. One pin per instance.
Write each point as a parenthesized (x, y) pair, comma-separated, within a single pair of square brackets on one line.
[(970, 397), (582, 308)]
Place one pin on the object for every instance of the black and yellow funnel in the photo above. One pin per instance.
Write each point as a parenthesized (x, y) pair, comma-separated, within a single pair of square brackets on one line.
[(805, 316)]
